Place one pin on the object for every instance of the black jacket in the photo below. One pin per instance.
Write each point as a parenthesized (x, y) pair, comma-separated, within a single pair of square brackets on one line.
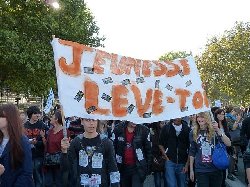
[(141, 141), (177, 146), (33, 131), (70, 162), (245, 129)]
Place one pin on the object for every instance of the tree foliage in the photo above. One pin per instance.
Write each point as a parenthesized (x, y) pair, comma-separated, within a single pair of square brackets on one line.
[(174, 55), (225, 65), (27, 26)]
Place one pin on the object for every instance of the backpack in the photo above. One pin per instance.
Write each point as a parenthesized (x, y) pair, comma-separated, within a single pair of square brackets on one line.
[(220, 157)]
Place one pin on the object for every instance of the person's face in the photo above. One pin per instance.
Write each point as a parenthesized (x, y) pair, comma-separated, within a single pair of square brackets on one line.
[(221, 116), (192, 117), (35, 117), (3, 122), (90, 125), (177, 121), (202, 122), (53, 120), (23, 117), (162, 124)]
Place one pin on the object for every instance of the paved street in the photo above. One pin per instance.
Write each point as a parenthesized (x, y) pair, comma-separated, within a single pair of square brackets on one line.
[(240, 182)]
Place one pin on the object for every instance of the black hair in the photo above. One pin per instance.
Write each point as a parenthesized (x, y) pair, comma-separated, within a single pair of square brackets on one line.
[(213, 109), (32, 110), (46, 118), (223, 122), (229, 109)]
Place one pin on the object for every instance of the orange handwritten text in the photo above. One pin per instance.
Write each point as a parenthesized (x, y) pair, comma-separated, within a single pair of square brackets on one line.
[(74, 68)]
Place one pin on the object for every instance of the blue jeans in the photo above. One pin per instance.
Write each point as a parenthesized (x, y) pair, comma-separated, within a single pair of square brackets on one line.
[(174, 175), (37, 171), (158, 176)]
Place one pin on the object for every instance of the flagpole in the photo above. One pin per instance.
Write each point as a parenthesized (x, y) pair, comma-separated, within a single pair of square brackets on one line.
[(64, 125)]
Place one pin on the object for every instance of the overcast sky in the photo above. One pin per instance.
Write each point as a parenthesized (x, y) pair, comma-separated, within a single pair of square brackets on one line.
[(147, 29)]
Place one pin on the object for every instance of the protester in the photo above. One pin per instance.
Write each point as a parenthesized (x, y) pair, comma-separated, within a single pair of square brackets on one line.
[(103, 129), (53, 174), (94, 157), (133, 153), (233, 118), (157, 165), (219, 116), (15, 150), (23, 117), (46, 121), (204, 136), (245, 132), (33, 128), (75, 127), (174, 145)]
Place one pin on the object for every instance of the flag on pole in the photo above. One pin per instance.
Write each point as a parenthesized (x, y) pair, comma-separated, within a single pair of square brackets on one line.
[(49, 102)]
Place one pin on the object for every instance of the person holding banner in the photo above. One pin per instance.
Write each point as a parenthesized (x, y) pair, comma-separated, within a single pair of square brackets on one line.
[(52, 172), (91, 158), (133, 153), (15, 150), (204, 136)]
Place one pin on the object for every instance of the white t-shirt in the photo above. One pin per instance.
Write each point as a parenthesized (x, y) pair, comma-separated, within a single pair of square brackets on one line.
[(177, 129), (3, 145)]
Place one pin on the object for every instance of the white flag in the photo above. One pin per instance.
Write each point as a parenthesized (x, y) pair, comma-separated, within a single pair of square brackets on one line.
[(217, 103), (49, 102)]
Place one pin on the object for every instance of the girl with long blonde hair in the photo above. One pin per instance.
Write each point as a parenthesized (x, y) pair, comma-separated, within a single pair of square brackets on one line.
[(198, 127), (203, 139)]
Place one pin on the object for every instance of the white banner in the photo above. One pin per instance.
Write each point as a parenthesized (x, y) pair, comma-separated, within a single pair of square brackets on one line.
[(99, 85)]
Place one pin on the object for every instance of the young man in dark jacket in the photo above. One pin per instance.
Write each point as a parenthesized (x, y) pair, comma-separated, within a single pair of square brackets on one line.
[(174, 145), (133, 153), (90, 159)]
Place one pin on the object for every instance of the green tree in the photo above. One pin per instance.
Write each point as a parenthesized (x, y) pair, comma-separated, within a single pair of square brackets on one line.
[(224, 65), (26, 56), (174, 55)]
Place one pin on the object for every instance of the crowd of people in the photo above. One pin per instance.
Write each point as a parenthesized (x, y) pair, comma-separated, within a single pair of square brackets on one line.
[(36, 151)]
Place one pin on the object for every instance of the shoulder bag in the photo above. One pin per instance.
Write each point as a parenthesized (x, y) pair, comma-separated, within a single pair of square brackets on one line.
[(220, 157)]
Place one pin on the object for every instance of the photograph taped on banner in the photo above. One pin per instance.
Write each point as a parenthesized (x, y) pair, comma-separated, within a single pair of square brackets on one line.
[(79, 95), (107, 80), (140, 80)]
